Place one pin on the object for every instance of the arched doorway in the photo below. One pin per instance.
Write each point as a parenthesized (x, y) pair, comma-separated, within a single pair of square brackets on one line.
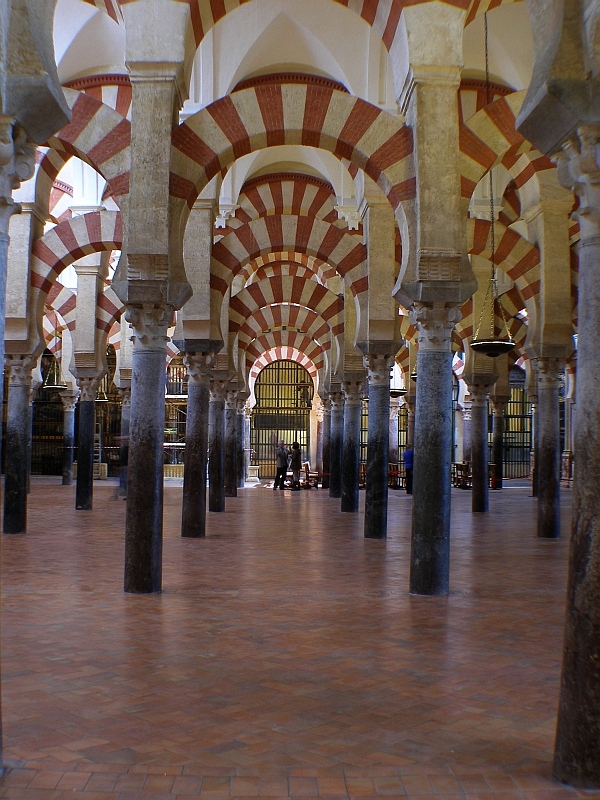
[(283, 392)]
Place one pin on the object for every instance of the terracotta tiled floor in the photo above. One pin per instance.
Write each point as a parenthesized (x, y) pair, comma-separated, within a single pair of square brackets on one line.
[(284, 657)]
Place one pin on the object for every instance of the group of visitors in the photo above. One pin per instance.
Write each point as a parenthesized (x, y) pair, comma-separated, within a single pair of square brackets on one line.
[(288, 459)]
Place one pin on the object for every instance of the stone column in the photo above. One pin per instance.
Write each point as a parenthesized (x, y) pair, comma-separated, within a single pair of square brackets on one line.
[(499, 407), (247, 446), (69, 401), (17, 439), (548, 456), (376, 494), (467, 420), (430, 552), (326, 442), (393, 457), (231, 443), (241, 456), (353, 392), (480, 497), (319, 460), (125, 392), (144, 524), (533, 398), (84, 490), (193, 516), (216, 439), (410, 423), (336, 444)]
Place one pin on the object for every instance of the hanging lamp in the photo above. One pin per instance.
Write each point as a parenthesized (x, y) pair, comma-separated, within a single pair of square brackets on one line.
[(52, 380), (491, 346)]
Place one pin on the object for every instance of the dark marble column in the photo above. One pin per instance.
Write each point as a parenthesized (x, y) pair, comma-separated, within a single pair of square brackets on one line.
[(69, 402), (231, 443), (353, 392), (336, 444), (84, 489), (326, 451), (193, 516), (467, 420), (577, 753), (247, 416), (533, 398), (17, 440), (480, 497), (216, 440), (548, 460), (499, 406), (376, 494), (393, 456), (144, 518), (318, 465), (410, 422), (125, 393), (430, 550)]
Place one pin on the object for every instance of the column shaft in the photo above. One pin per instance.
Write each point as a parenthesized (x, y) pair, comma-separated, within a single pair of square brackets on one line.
[(68, 439), (376, 494), (85, 455), (326, 451), (124, 445), (17, 440), (498, 444), (480, 498), (144, 522), (351, 449), (231, 446), (216, 437), (548, 460), (336, 444), (240, 459), (193, 518)]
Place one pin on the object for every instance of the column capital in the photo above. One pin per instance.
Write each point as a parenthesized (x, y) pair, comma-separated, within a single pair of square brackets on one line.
[(394, 408), (125, 392), (241, 404), (353, 392), (548, 371), (435, 326), (218, 390), (499, 405), (231, 399), (88, 388), (479, 393), (17, 164), (577, 169), (199, 366), (378, 369), (69, 401), (150, 322), (336, 399), (18, 368)]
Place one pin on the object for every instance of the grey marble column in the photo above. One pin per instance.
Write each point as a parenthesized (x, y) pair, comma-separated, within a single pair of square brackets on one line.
[(499, 407), (84, 490), (430, 550), (577, 753), (125, 393), (193, 515), (319, 454), (548, 460), (231, 443), (410, 422), (480, 496), (216, 444), (393, 456), (69, 402), (353, 392), (467, 420), (17, 440), (533, 398), (378, 445), (144, 517), (326, 441), (336, 439)]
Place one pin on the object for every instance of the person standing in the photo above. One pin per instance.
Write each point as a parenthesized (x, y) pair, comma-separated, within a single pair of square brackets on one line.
[(408, 469), (296, 466), (281, 464)]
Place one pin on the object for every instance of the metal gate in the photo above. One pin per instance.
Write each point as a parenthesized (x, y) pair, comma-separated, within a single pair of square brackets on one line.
[(283, 392)]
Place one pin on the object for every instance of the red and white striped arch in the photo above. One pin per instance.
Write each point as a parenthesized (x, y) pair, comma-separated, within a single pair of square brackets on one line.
[(292, 340), (286, 290), (112, 90), (208, 142), (346, 254), (296, 270), (285, 194), (290, 317), (108, 311), (321, 269), (282, 354)]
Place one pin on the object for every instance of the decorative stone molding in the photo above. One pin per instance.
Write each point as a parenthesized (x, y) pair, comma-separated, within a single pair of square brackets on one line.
[(241, 405), (17, 164), (218, 390), (149, 323), (336, 400), (378, 369), (394, 408), (69, 401), (125, 392), (577, 169), (548, 373), (18, 368), (199, 366), (435, 326), (466, 411), (479, 394), (231, 399), (353, 392), (88, 388), (351, 216), (226, 211)]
